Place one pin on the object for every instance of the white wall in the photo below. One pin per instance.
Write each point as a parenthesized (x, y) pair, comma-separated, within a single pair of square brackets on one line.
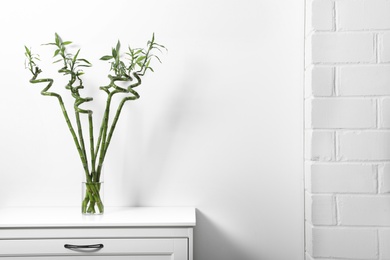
[(219, 126), (347, 129)]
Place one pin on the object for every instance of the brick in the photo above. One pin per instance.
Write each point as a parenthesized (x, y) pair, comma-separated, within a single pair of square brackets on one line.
[(321, 209), (309, 238), (384, 48), (369, 145), (384, 178), (363, 14), (385, 113), (319, 146), (341, 178), (384, 244), (307, 177), (308, 113), (351, 243), (321, 81), (322, 15), (364, 210), (308, 51), (343, 113), (308, 83), (343, 47), (364, 80)]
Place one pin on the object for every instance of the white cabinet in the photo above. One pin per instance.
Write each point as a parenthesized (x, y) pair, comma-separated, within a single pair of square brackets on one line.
[(155, 233)]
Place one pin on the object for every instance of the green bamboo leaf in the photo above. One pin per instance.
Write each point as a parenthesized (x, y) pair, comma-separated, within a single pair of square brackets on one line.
[(157, 58), (114, 53), (57, 61), (67, 43), (159, 45), (57, 39), (159, 49), (27, 50), (118, 46), (141, 58), (66, 71), (56, 52), (106, 57), (84, 61), (75, 56), (147, 63)]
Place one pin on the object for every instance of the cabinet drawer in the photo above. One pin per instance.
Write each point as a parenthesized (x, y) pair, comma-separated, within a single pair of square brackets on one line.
[(176, 249)]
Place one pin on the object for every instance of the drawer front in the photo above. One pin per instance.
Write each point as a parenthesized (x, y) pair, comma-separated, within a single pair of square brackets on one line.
[(176, 249)]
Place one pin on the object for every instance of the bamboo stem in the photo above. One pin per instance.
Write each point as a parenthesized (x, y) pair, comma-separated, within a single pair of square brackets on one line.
[(119, 109), (101, 145), (91, 144), (45, 92)]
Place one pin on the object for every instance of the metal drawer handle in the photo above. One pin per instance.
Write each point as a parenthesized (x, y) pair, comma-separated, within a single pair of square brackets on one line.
[(97, 246)]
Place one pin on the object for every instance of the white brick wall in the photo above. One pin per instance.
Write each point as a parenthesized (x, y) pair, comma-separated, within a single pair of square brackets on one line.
[(321, 209), (364, 146), (347, 106), (384, 178), (384, 47), (319, 146), (371, 80), (384, 240), (363, 210), (351, 243), (343, 178), (363, 14), (384, 119), (343, 48), (320, 81), (322, 15), (342, 113)]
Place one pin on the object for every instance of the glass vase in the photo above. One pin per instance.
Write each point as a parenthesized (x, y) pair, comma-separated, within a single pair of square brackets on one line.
[(92, 198)]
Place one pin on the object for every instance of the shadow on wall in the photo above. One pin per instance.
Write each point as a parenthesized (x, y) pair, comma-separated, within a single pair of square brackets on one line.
[(174, 124), (212, 243)]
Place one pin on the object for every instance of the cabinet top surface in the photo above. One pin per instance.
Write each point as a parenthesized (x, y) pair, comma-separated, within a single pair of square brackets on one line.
[(30, 217)]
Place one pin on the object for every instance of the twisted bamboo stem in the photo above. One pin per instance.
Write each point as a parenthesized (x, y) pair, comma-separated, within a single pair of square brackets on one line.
[(45, 92)]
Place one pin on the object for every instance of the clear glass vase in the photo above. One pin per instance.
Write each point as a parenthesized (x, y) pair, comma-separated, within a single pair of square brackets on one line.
[(92, 198)]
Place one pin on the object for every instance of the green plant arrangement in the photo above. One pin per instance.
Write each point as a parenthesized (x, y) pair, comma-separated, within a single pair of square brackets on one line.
[(127, 69)]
